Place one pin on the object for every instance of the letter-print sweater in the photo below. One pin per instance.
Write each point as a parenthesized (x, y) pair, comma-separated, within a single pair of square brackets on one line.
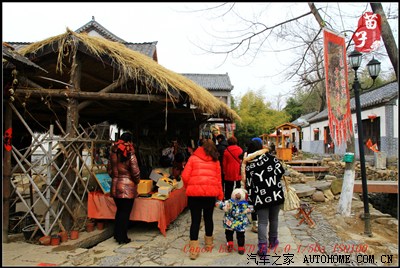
[(263, 173)]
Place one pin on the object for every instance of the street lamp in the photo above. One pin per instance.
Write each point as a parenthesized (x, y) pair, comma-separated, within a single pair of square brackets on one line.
[(374, 67)]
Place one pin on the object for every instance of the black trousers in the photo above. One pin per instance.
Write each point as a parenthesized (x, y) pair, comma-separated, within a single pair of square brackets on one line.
[(239, 236), (229, 185), (198, 206), (124, 208)]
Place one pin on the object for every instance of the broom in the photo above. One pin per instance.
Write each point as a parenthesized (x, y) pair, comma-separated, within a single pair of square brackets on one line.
[(292, 201)]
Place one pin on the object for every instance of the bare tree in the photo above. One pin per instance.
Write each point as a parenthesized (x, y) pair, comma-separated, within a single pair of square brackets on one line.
[(253, 37), (388, 39)]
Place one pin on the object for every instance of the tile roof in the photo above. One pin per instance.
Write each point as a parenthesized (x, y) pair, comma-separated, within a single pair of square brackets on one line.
[(15, 58), (303, 120), (147, 48), (371, 98), (212, 82), (94, 25)]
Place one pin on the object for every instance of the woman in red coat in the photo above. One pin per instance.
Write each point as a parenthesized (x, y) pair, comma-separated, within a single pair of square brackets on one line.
[(202, 180), (125, 174), (231, 167)]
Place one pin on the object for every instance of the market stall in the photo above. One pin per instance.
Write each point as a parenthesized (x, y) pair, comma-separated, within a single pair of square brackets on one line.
[(102, 206), (284, 141)]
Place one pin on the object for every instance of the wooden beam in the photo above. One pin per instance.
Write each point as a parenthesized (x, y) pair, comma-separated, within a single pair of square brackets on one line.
[(89, 95), (391, 187)]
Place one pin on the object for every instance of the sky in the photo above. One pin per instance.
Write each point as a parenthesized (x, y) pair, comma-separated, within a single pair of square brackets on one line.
[(184, 32)]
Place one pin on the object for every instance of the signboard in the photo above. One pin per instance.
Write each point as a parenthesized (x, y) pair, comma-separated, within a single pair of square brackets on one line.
[(104, 181)]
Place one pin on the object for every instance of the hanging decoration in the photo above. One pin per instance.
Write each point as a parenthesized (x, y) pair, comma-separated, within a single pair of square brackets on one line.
[(337, 90), (372, 117), (368, 34), (7, 139)]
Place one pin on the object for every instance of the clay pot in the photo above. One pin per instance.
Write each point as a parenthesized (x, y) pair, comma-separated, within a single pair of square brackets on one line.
[(55, 240), (74, 234), (63, 236), (90, 227), (45, 240), (100, 225)]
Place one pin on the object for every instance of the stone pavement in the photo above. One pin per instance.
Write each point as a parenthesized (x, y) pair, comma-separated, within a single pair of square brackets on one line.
[(150, 248)]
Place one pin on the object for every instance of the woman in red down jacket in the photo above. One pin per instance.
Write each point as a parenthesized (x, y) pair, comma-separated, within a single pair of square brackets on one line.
[(231, 167), (202, 180)]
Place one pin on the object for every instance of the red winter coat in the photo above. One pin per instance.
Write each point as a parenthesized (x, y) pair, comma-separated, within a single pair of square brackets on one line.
[(125, 175), (202, 176), (231, 163)]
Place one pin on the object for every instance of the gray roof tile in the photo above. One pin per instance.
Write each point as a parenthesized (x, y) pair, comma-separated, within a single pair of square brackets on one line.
[(371, 98), (15, 58), (94, 25), (212, 82)]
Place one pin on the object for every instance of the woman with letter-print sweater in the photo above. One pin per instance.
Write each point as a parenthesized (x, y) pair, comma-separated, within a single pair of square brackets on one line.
[(262, 173)]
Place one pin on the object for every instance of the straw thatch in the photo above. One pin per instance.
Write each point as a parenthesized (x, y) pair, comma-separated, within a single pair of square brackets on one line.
[(292, 201), (132, 65)]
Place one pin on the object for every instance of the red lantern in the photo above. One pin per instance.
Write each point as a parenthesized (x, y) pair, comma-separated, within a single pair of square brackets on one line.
[(372, 117), (316, 130)]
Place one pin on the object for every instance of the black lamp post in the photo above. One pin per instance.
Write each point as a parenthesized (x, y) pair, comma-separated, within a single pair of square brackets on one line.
[(374, 67)]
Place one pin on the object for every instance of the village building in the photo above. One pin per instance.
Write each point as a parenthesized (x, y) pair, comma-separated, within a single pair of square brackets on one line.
[(379, 113)]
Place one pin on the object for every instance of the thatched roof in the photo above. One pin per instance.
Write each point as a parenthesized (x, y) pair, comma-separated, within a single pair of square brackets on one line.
[(9, 55), (128, 65)]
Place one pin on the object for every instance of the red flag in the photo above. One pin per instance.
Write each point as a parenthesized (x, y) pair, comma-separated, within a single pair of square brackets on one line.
[(337, 89), (374, 148), (368, 143)]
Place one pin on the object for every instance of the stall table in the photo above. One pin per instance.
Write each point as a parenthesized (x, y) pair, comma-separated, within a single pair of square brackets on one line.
[(102, 206)]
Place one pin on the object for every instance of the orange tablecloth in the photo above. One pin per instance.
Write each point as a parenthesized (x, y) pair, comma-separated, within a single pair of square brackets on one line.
[(101, 206)]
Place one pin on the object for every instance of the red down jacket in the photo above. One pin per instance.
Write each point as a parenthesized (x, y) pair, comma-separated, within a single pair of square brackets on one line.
[(202, 176)]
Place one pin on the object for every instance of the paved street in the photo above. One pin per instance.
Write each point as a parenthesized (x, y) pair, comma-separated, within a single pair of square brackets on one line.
[(298, 244)]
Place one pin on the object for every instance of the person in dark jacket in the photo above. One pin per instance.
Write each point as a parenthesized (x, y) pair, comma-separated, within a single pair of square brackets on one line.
[(221, 147), (125, 174), (262, 175), (202, 180)]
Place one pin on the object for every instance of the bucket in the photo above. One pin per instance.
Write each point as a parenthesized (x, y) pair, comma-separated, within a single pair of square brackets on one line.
[(74, 234), (28, 231), (64, 236), (45, 240), (348, 157), (90, 227), (55, 240), (17, 222), (100, 225)]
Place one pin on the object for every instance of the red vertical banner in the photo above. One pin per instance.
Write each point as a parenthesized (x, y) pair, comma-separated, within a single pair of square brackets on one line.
[(337, 89)]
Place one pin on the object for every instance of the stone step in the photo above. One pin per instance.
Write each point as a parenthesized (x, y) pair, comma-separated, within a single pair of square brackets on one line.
[(310, 168), (304, 162)]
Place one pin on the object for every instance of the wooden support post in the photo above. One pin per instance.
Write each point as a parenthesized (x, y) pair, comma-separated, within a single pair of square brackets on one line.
[(6, 172)]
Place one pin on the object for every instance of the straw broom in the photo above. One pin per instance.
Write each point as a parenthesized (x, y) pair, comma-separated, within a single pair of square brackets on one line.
[(292, 201)]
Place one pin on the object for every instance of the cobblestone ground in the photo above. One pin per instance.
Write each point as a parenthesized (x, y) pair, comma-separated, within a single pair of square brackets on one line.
[(299, 244), (149, 248)]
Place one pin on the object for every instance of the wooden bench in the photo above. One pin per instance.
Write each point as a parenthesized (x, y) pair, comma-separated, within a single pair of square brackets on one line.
[(390, 187), (304, 214)]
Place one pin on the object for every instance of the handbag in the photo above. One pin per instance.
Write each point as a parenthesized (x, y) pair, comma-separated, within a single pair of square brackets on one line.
[(292, 201)]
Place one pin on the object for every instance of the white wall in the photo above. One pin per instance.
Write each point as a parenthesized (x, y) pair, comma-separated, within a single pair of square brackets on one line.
[(396, 119)]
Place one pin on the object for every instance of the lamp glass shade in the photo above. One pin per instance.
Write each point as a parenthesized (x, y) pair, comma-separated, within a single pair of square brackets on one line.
[(355, 59), (374, 68)]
